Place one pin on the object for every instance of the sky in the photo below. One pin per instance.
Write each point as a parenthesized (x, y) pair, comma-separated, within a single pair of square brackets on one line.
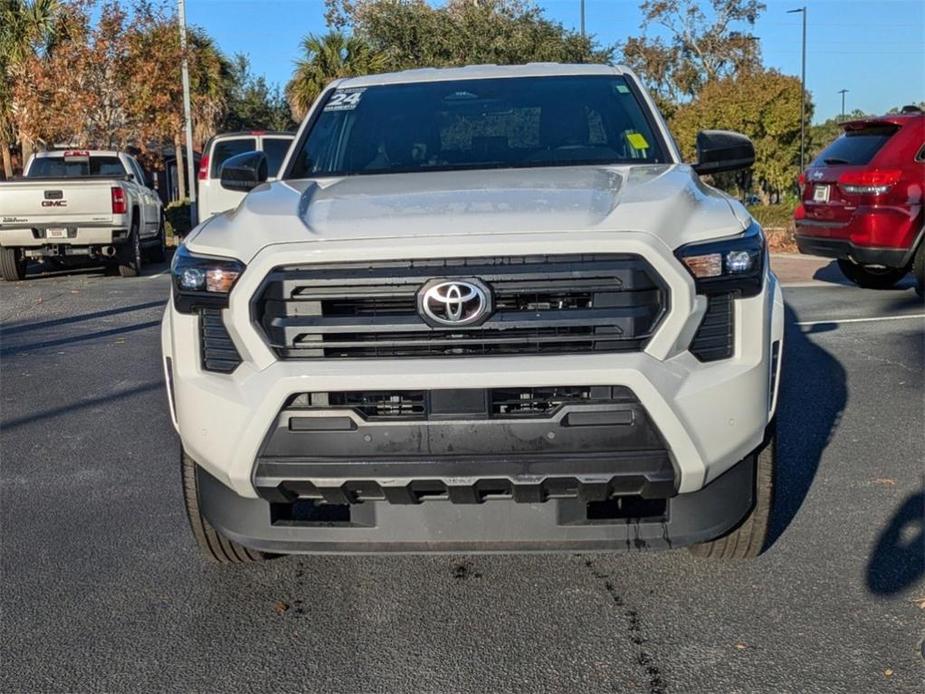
[(875, 50)]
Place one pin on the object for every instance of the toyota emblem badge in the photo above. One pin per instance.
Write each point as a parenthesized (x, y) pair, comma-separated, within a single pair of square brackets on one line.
[(454, 303)]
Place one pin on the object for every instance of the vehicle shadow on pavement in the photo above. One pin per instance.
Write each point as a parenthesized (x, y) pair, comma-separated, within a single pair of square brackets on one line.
[(71, 408), (898, 558), (832, 274), (812, 396), (8, 350), (29, 326)]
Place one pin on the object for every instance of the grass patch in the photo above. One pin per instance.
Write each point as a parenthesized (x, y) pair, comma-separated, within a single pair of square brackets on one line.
[(773, 216)]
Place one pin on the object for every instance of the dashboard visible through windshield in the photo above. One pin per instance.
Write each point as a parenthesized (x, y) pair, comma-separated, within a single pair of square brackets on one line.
[(478, 124)]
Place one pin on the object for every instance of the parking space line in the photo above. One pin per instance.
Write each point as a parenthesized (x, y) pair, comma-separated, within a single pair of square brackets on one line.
[(861, 320)]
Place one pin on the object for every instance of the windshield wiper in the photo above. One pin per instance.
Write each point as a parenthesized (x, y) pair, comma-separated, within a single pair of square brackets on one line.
[(836, 160)]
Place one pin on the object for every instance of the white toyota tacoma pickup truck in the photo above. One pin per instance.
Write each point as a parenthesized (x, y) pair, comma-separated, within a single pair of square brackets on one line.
[(482, 309), (94, 204)]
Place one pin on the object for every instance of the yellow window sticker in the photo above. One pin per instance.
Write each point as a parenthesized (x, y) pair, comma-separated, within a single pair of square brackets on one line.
[(637, 141)]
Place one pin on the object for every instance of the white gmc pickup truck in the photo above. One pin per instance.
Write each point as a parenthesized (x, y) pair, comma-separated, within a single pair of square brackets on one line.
[(95, 204), (483, 309)]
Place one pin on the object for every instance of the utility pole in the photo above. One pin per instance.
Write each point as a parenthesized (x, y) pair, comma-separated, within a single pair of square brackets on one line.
[(802, 11), (582, 7), (190, 164), (843, 92)]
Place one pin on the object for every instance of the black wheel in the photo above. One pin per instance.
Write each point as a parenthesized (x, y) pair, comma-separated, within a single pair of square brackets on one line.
[(918, 269), (748, 539), (871, 277), (215, 547), (12, 264), (129, 254), (158, 252)]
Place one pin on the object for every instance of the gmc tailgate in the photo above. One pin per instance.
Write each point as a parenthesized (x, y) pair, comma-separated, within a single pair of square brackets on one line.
[(49, 201)]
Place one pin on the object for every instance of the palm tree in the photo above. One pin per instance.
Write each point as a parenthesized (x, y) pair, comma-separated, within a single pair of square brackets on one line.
[(27, 28), (328, 57)]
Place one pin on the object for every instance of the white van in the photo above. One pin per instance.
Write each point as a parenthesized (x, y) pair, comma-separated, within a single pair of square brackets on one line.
[(212, 197)]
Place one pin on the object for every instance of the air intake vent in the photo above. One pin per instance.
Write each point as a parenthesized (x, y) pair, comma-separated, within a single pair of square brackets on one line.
[(217, 349), (715, 338)]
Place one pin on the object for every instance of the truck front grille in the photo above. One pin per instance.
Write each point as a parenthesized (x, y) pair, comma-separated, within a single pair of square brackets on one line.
[(541, 305)]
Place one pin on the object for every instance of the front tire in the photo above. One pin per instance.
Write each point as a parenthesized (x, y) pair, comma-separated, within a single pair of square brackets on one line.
[(129, 254), (215, 547), (748, 539), (12, 264), (871, 277)]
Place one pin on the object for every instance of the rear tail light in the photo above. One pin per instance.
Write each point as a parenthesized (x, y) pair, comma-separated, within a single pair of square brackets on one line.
[(876, 182), (204, 167), (118, 201), (801, 182)]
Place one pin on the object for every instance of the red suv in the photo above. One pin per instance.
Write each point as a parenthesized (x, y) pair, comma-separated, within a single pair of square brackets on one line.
[(862, 200)]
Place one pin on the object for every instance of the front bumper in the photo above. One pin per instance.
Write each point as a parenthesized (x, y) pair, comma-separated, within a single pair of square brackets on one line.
[(79, 235), (845, 250), (710, 415), (492, 526), (872, 235)]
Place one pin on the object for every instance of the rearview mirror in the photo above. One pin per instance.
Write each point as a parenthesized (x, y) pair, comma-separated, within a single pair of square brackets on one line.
[(722, 150), (244, 172)]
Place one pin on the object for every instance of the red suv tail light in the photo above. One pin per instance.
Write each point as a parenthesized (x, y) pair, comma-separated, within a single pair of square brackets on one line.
[(204, 167), (875, 182), (801, 183), (118, 201)]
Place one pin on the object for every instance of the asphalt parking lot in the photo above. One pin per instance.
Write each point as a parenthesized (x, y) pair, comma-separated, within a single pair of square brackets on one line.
[(103, 590)]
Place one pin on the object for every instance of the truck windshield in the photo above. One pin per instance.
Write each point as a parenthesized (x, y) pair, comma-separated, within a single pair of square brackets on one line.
[(59, 167), (478, 124)]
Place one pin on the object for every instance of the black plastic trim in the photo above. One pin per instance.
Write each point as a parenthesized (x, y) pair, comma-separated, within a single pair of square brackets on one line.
[(217, 350), (715, 337), (495, 526), (863, 255)]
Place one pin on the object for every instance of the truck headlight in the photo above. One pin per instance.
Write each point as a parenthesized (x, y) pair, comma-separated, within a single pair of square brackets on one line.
[(734, 264), (202, 281)]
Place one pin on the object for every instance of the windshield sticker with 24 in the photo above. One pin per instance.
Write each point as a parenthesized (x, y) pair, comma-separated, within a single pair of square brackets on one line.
[(344, 100)]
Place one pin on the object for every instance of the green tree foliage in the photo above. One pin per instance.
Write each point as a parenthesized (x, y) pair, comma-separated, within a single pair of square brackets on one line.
[(694, 47), (415, 33), (762, 104), (28, 28), (328, 57), (252, 104)]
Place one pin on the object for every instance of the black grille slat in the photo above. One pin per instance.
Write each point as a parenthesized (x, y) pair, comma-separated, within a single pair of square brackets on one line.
[(715, 338), (542, 305), (217, 351)]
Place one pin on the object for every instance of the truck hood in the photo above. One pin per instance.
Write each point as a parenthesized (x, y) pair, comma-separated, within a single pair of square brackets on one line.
[(667, 201)]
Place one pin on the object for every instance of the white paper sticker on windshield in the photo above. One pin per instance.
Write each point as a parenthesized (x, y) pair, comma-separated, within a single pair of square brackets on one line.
[(345, 99)]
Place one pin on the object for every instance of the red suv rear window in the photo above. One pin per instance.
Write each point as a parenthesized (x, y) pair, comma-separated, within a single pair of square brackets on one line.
[(856, 146)]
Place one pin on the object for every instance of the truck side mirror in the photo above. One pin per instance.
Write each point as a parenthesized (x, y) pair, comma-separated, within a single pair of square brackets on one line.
[(244, 172), (723, 150)]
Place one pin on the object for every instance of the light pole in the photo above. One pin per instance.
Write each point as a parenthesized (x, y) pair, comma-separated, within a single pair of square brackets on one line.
[(843, 92), (190, 167), (802, 11), (582, 10)]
